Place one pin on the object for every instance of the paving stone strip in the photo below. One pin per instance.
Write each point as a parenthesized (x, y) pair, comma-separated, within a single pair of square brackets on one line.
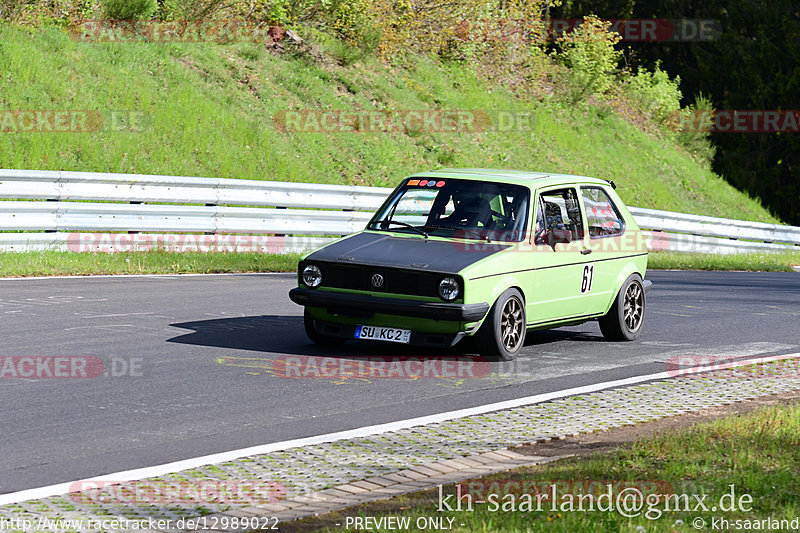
[(297, 482)]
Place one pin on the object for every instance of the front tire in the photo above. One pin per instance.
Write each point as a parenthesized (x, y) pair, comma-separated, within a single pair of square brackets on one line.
[(503, 331), (624, 320), (316, 336)]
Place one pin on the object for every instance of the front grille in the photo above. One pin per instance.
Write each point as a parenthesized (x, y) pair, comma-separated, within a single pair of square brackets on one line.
[(395, 281)]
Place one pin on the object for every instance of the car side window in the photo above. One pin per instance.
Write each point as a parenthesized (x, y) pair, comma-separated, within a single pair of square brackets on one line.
[(561, 213), (602, 215)]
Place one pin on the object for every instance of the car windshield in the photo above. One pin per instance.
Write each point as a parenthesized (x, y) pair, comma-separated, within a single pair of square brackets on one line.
[(456, 208)]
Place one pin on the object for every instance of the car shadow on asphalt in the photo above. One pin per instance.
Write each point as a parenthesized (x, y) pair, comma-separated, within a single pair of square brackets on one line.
[(285, 335)]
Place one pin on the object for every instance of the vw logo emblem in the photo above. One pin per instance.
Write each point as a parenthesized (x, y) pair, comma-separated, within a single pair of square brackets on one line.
[(377, 281)]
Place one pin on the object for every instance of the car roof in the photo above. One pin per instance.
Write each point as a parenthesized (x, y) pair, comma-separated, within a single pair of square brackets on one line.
[(517, 177)]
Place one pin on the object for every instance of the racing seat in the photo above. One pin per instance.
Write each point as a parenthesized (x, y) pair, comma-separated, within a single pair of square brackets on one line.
[(553, 217), (472, 212)]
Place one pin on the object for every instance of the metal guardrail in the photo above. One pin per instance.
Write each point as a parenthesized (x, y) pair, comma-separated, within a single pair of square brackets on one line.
[(715, 227), (79, 204), (66, 186), (86, 216)]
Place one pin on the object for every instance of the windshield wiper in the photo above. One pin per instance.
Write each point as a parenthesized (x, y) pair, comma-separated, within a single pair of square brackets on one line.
[(465, 230), (479, 235), (404, 224)]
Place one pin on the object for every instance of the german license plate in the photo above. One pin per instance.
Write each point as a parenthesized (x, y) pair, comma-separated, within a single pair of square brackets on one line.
[(383, 334)]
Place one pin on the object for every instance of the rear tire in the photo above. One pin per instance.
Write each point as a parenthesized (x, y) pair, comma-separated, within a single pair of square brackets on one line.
[(316, 336), (503, 331), (624, 320)]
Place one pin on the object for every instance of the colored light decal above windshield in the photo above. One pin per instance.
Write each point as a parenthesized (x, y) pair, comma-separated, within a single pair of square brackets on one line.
[(426, 183)]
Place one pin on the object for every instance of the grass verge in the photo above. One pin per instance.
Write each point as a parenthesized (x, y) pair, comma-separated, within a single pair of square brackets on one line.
[(156, 262), (766, 262), (756, 453), (161, 262)]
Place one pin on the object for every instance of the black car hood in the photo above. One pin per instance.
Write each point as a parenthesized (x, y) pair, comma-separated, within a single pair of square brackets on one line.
[(406, 252)]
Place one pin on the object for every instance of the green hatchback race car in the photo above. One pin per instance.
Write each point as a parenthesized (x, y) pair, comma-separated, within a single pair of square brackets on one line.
[(458, 253)]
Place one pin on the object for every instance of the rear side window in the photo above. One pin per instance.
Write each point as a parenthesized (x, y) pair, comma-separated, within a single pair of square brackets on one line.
[(601, 213)]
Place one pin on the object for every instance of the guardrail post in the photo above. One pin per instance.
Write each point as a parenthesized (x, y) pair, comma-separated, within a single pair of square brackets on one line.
[(280, 234), (210, 232), (134, 202), (51, 230)]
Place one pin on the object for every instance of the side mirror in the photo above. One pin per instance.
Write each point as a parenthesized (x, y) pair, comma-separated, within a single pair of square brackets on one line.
[(551, 237)]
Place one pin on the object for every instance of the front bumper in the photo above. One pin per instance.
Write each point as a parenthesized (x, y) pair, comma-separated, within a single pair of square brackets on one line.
[(359, 304)]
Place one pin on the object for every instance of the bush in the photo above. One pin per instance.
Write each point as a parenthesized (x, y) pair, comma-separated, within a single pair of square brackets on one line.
[(589, 53), (51, 12), (655, 93), (697, 141), (348, 18), (9, 9), (423, 26), (282, 12), (129, 9), (192, 9)]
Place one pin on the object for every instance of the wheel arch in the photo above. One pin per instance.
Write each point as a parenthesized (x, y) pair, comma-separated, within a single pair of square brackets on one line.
[(625, 272), (503, 285), (492, 293)]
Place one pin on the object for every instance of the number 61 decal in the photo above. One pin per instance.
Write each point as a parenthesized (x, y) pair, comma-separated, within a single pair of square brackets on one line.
[(588, 276)]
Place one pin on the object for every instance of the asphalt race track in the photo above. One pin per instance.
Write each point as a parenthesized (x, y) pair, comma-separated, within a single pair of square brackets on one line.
[(187, 365)]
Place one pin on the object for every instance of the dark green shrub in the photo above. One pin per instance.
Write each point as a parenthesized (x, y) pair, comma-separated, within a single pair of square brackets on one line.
[(192, 9), (589, 53), (655, 94), (129, 9), (696, 137), (9, 9)]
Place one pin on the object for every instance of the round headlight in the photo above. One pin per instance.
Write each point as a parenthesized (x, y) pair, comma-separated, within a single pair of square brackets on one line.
[(312, 276), (448, 289)]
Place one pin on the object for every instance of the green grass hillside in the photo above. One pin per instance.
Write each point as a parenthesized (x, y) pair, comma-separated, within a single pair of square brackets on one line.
[(208, 110)]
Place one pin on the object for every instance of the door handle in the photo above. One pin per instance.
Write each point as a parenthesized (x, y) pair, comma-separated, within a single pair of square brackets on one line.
[(586, 252)]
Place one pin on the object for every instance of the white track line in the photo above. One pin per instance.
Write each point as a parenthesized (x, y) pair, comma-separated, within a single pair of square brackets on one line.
[(187, 464)]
